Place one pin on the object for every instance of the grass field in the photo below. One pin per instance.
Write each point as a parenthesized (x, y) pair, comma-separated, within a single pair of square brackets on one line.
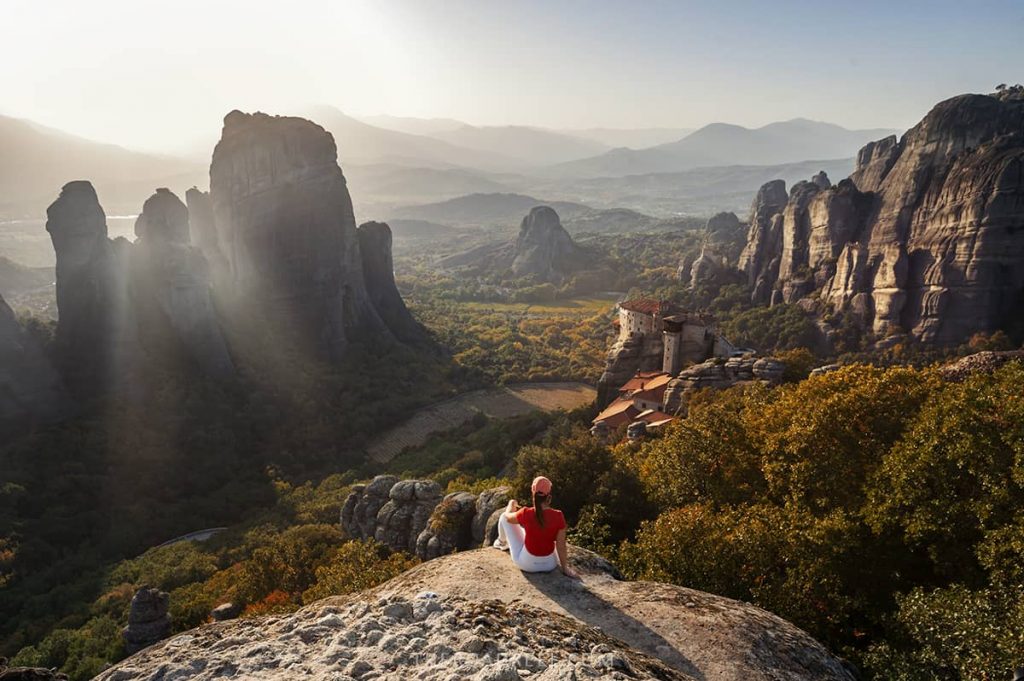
[(583, 306), (504, 402)]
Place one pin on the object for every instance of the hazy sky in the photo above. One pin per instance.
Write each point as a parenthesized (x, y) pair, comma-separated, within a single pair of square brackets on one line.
[(159, 74)]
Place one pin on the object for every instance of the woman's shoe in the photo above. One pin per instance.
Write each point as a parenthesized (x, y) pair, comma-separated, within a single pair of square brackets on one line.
[(500, 545)]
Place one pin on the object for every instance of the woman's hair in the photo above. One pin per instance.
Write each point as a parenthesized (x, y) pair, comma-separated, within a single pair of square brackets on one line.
[(538, 512)]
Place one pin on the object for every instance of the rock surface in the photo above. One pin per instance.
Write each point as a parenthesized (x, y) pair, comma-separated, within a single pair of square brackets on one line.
[(31, 391), (979, 363), (148, 620), (544, 248), (414, 516), (717, 373), (379, 275), (473, 615), (285, 224), (926, 237), (92, 294), (171, 288), (8, 673), (203, 232)]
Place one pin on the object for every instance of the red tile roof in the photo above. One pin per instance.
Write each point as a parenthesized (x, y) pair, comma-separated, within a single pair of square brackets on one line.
[(643, 380), (653, 416), (618, 413)]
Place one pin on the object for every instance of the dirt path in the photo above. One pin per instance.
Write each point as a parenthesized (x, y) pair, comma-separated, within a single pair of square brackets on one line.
[(504, 402)]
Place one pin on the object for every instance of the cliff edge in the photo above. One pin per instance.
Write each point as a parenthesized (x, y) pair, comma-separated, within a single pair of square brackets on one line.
[(473, 615)]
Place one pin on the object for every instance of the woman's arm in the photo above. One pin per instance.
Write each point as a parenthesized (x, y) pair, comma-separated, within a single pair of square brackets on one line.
[(510, 512), (563, 555)]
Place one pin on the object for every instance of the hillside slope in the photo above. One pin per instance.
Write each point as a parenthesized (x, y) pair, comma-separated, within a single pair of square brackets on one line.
[(36, 161), (475, 615)]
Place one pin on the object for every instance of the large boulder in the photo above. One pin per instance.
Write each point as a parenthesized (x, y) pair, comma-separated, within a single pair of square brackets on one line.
[(359, 512), (450, 527), (148, 620)]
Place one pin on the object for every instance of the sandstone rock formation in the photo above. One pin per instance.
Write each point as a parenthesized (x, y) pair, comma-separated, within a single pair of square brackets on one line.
[(170, 285), (31, 391), (707, 269), (924, 238), (474, 615), (379, 275), (148, 621), (412, 516), (718, 373), (626, 357), (285, 224), (203, 232), (544, 249), (93, 328)]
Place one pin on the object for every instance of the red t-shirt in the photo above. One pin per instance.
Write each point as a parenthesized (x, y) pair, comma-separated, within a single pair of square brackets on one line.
[(540, 539)]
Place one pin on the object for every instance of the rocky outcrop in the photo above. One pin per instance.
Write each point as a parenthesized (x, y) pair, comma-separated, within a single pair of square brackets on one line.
[(924, 238), (8, 673), (544, 248), (760, 257), (979, 363), (449, 528), (93, 329), (627, 356), (707, 269), (285, 224), (412, 516), (148, 621), (474, 615), (171, 288), (359, 512), (379, 276), (226, 611), (203, 232), (31, 391), (719, 373)]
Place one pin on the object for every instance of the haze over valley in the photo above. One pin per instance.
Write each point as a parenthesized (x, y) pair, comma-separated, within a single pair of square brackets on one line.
[(497, 341)]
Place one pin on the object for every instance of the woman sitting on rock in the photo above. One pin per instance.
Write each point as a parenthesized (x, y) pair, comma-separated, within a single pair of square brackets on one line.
[(535, 536)]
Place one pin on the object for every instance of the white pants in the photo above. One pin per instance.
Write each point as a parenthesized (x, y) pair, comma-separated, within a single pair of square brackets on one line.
[(515, 536)]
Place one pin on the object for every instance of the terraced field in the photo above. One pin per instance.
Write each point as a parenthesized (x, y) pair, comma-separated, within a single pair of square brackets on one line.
[(504, 402)]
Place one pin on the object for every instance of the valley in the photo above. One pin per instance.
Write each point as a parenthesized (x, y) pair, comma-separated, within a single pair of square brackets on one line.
[(769, 365)]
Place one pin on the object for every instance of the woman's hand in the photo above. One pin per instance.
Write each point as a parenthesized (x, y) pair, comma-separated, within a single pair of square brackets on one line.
[(570, 573)]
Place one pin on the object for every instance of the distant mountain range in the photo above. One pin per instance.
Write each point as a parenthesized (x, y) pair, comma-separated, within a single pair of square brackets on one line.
[(538, 145), (721, 144), (485, 210), (36, 161)]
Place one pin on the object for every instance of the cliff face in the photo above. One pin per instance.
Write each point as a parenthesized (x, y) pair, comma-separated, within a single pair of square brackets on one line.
[(170, 285), (285, 225), (926, 237), (92, 329), (379, 276), (544, 249)]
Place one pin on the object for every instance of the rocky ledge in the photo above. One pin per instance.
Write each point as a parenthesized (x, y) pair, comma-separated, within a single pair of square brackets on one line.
[(473, 615)]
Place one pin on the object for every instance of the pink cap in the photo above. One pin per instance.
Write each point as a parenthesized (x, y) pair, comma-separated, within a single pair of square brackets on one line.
[(541, 485)]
